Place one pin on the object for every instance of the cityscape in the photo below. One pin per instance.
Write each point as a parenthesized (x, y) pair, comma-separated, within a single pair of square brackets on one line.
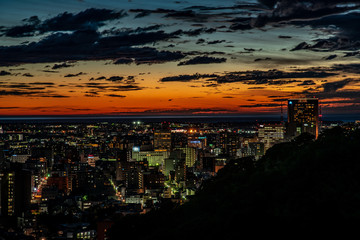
[(176, 119), (71, 171)]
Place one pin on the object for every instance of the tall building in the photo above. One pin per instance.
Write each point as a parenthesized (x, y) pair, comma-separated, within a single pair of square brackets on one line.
[(271, 134), (231, 143), (190, 155), (162, 140), (303, 116), (15, 191)]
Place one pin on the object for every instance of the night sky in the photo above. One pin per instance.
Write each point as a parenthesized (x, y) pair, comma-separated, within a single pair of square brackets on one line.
[(177, 57)]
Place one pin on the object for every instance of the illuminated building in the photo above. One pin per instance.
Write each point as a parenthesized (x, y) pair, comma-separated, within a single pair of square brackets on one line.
[(303, 116), (230, 143), (92, 160), (271, 134), (153, 180), (15, 192), (20, 158), (134, 176), (61, 183), (190, 155), (256, 149), (162, 140), (171, 162), (196, 140), (123, 158), (180, 171), (179, 138), (154, 158)]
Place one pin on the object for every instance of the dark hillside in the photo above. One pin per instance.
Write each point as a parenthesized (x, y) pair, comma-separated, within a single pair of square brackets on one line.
[(304, 179)]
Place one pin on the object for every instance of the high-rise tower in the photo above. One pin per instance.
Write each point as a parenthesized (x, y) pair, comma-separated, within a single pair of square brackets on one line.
[(303, 116)]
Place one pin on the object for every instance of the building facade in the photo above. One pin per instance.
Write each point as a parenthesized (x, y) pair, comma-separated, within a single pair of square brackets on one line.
[(303, 117)]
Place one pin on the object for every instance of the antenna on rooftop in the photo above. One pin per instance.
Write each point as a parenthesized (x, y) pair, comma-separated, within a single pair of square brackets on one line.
[(281, 117)]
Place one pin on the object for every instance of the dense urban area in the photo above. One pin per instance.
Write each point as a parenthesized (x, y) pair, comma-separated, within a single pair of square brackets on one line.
[(74, 180)]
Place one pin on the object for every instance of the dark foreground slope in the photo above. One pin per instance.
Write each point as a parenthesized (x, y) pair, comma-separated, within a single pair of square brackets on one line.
[(302, 179)]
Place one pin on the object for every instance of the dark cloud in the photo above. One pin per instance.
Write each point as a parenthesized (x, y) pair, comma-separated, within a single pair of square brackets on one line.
[(216, 41), (125, 88), (187, 78), (252, 49), (62, 65), (28, 75), (74, 75), (241, 26), (346, 33), (196, 32), (202, 60), (116, 95), (65, 22), (267, 105), (331, 57), (129, 79), (307, 83), (352, 54), (123, 61), (21, 86), (115, 79), (201, 15), (286, 37), (347, 68), (301, 46), (4, 73), (262, 59), (126, 31), (56, 96), (144, 13), (9, 107), (158, 10), (200, 41), (159, 57), (268, 77), (41, 83), (26, 30), (90, 45), (206, 53), (30, 93), (187, 14), (334, 86), (108, 87), (341, 68), (99, 78), (211, 85), (329, 45), (288, 10), (137, 39)]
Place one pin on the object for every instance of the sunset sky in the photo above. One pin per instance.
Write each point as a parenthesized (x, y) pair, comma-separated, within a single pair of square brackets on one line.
[(118, 57)]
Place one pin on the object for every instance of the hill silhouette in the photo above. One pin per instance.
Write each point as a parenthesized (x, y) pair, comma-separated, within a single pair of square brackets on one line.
[(303, 179)]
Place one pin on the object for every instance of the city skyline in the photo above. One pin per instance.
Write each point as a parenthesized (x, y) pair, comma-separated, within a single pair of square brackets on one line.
[(177, 58)]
